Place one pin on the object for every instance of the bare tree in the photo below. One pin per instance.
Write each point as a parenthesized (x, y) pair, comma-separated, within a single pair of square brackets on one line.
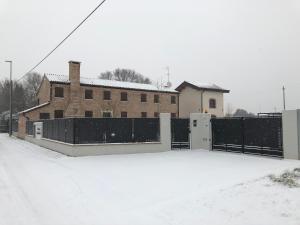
[(229, 110), (126, 75), (31, 84)]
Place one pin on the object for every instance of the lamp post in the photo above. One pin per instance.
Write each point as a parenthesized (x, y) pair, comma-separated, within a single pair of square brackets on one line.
[(10, 98), (283, 93)]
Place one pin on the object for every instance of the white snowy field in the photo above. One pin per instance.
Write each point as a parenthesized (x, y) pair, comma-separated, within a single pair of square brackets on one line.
[(41, 187)]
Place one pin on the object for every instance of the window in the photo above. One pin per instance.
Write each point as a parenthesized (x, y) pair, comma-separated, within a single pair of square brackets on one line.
[(156, 114), (156, 98), (58, 114), (44, 116), (59, 92), (88, 94), (106, 95), (143, 98), (107, 114), (173, 99), (89, 114), (124, 96), (144, 114), (124, 114), (173, 115), (212, 103)]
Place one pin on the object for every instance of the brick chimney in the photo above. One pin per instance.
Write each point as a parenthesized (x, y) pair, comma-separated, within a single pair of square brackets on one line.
[(74, 107)]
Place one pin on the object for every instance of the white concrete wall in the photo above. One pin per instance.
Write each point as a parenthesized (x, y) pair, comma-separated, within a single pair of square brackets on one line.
[(190, 102), (110, 149), (200, 131), (291, 134)]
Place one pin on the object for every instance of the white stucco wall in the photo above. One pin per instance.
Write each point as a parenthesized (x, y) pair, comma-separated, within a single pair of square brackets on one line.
[(190, 102), (110, 149)]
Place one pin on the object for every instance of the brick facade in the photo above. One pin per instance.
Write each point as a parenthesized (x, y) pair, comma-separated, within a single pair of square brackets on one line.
[(74, 104)]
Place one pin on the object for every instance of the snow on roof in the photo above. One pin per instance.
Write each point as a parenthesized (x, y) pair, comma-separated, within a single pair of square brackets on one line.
[(209, 86), (35, 107), (108, 83)]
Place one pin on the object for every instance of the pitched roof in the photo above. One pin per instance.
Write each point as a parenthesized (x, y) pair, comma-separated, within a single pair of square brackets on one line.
[(35, 107), (202, 86), (108, 83)]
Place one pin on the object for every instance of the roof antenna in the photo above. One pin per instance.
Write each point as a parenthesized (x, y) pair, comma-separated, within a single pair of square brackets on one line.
[(168, 84)]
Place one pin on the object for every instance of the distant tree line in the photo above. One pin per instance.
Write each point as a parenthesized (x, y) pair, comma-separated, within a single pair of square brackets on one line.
[(126, 75), (23, 93)]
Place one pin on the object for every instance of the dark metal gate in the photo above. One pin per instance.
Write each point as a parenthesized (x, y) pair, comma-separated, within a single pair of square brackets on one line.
[(180, 130), (259, 135)]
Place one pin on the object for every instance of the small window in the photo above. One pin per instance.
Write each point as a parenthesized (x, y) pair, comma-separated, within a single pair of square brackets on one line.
[(156, 98), (173, 99), (58, 114), (88, 94), (143, 98), (173, 115), (44, 116), (89, 114), (59, 92), (106, 95), (106, 114), (194, 123), (156, 114), (144, 114), (124, 96), (212, 103), (124, 114)]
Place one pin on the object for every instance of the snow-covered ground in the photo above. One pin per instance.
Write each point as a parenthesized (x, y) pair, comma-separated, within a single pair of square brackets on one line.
[(41, 187)]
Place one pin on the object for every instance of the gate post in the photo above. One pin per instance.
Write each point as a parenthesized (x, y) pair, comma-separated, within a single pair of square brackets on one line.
[(165, 130), (291, 134), (200, 126)]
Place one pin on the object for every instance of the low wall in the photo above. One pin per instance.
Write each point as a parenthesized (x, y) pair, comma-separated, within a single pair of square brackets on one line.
[(111, 148)]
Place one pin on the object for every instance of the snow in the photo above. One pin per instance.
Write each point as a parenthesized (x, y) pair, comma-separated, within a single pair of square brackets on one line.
[(206, 85), (41, 187), (35, 107), (108, 83)]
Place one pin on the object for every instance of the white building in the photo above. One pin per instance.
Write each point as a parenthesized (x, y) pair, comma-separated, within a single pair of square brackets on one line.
[(201, 98)]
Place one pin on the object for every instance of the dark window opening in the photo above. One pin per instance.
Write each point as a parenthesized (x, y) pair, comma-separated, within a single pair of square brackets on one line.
[(106, 114), (156, 114), (89, 114), (88, 94), (173, 99), (143, 98), (44, 116), (156, 98), (173, 115), (212, 103), (144, 114), (124, 114), (59, 92), (58, 114), (106, 95), (124, 96)]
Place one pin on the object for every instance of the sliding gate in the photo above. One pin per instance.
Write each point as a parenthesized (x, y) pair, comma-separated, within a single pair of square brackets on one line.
[(180, 131), (259, 135)]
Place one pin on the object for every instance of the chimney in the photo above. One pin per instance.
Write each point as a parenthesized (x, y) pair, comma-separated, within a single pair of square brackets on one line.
[(74, 72), (74, 106)]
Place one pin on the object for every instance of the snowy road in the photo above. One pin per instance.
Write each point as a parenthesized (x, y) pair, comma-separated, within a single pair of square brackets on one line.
[(41, 187)]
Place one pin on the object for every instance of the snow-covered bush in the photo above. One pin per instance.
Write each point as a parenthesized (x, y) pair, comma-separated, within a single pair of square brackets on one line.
[(288, 178)]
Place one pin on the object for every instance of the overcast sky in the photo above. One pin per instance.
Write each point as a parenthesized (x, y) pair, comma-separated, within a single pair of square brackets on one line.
[(251, 47)]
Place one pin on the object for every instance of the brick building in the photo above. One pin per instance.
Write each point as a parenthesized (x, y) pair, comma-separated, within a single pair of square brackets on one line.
[(75, 96)]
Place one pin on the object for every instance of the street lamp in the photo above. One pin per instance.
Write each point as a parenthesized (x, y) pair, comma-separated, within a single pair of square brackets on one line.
[(10, 98)]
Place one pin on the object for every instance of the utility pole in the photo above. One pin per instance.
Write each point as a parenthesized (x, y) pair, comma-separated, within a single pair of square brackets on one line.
[(283, 92), (10, 98)]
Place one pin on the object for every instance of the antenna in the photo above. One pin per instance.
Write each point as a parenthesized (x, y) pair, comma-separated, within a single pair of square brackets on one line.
[(169, 84)]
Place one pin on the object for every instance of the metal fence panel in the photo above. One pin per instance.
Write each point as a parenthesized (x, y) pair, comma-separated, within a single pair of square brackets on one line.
[(146, 129), (259, 135)]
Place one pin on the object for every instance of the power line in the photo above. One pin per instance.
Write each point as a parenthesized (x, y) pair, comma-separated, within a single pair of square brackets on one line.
[(98, 6)]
